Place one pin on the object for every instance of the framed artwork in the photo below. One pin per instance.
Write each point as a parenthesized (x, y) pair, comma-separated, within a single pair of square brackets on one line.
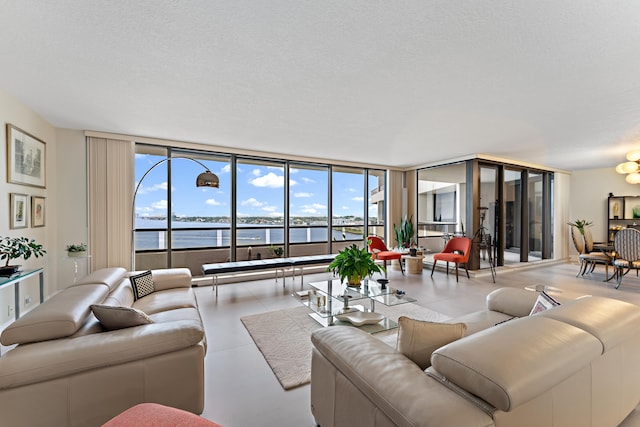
[(26, 158), (18, 210), (38, 211)]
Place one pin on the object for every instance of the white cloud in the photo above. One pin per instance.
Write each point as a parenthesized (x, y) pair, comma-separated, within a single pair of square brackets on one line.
[(358, 199), (270, 180), (351, 190), (156, 187), (160, 204), (308, 180), (302, 194), (226, 169), (309, 210), (213, 202), (346, 208), (251, 202), (269, 208), (256, 172)]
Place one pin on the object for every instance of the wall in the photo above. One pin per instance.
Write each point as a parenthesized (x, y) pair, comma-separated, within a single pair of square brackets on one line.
[(71, 196), (14, 112), (589, 191)]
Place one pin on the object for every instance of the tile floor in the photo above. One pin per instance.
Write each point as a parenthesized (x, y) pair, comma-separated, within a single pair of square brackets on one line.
[(242, 391)]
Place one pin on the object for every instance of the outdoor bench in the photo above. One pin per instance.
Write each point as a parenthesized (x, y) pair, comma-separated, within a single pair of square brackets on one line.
[(278, 264)]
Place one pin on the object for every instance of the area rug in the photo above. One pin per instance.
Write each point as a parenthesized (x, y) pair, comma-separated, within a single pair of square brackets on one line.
[(283, 337)]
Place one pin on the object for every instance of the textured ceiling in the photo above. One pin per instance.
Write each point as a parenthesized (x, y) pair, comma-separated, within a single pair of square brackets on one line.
[(393, 83)]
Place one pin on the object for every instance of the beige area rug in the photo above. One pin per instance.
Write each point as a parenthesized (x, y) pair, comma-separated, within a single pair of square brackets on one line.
[(283, 337)]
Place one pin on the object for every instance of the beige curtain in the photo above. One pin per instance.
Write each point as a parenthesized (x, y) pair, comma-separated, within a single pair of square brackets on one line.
[(111, 176)]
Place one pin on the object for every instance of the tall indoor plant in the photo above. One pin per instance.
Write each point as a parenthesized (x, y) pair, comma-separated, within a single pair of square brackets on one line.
[(580, 224), (17, 247), (354, 264), (404, 233)]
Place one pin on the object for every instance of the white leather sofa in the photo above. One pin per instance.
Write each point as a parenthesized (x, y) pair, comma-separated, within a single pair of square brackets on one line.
[(573, 365), (67, 370)]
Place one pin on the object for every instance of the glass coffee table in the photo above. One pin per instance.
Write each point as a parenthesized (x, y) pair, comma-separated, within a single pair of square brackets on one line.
[(330, 299)]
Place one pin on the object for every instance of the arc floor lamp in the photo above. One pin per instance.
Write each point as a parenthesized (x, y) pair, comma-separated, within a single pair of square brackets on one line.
[(205, 179)]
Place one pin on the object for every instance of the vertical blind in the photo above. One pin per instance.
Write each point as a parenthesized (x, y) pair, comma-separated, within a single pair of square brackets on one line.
[(110, 175)]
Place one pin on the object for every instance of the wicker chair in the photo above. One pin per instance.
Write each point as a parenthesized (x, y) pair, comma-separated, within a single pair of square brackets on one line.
[(627, 247), (590, 258)]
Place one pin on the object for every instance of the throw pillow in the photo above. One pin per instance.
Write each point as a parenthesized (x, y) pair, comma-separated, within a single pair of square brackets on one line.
[(544, 302), (417, 339), (142, 285), (114, 317)]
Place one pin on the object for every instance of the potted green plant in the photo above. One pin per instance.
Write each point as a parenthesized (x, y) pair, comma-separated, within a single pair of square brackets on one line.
[(278, 251), (404, 233), (354, 264), (17, 247), (76, 250), (580, 224)]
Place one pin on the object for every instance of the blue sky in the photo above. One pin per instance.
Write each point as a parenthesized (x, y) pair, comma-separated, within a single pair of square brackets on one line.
[(260, 190)]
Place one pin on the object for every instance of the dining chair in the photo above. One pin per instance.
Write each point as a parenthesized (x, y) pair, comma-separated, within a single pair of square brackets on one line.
[(379, 251), (590, 258), (457, 250), (627, 248)]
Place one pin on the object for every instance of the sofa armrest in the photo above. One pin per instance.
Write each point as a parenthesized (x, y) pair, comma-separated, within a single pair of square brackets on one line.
[(46, 360)]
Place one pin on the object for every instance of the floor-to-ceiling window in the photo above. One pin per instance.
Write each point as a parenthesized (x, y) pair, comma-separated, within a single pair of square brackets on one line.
[(172, 217), (308, 209), (260, 194), (347, 206), (508, 214), (264, 208), (377, 208), (441, 205)]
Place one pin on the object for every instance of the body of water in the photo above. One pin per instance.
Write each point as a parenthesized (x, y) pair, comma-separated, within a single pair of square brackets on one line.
[(246, 236)]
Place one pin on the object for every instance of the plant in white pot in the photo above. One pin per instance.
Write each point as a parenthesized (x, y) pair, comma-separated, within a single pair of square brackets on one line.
[(78, 250), (17, 247)]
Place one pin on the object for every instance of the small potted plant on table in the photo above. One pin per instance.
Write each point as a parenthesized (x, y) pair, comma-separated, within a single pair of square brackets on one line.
[(17, 247), (354, 264), (77, 250)]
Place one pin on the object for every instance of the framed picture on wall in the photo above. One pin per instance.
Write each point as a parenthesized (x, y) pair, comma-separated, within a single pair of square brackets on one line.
[(26, 158), (18, 210), (37, 211)]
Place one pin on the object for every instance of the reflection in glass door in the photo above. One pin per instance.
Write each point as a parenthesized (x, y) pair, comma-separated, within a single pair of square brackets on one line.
[(489, 214), (534, 186), (512, 194)]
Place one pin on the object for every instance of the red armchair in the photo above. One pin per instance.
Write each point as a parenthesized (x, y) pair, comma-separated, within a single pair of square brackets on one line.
[(379, 251), (456, 250)]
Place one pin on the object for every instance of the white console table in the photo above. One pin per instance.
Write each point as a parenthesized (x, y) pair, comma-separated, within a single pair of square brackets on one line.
[(15, 280)]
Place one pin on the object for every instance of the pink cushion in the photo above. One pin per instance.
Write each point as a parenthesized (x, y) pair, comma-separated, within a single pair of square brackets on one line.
[(155, 415)]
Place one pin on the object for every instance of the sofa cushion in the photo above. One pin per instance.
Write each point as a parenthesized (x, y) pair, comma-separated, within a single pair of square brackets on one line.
[(60, 316), (115, 317), (508, 365), (417, 339), (142, 285), (166, 300)]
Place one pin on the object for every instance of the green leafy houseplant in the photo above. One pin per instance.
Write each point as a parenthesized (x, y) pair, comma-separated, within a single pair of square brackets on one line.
[(580, 224), (404, 233), (17, 247), (76, 250), (354, 264)]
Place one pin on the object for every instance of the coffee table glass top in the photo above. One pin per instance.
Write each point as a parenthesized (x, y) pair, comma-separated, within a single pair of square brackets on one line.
[(369, 289)]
